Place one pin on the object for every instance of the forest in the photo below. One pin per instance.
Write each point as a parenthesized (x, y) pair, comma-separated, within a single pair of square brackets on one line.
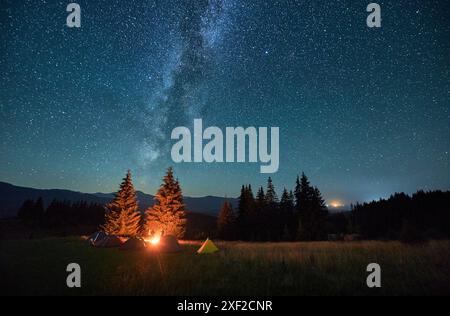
[(298, 215), (422, 215)]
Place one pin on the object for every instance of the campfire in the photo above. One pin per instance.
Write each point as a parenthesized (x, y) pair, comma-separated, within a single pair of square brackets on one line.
[(153, 239)]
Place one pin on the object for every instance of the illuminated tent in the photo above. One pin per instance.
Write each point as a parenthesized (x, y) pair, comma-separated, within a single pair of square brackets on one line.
[(96, 237), (109, 241), (169, 243), (208, 247), (134, 243)]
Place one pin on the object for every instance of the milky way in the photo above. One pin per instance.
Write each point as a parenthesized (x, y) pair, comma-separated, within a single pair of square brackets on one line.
[(364, 112), (184, 90)]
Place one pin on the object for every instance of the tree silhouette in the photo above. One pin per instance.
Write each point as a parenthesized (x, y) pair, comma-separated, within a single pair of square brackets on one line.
[(269, 219), (246, 214), (226, 222), (312, 211), (272, 219), (424, 214), (271, 195), (260, 198), (287, 215), (261, 222)]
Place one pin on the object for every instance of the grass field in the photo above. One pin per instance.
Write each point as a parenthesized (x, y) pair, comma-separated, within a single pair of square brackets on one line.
[(38, 267)]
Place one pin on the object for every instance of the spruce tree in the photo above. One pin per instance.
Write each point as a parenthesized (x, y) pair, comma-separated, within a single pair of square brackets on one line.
[(122, 217), (320, 214), (242, 206), (271, 213), (246, 214), (168, 215), (252, 215), (284, 197), (242, 214), (287, 215), (226, 222), (303, 194), (297, 194), (293, 219), (311, 210), (271, 195), (292, 200), (249, 201), (261, 220), (260, 198)]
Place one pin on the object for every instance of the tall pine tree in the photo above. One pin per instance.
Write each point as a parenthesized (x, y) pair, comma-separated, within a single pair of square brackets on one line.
[(287, 215), (271, 214), (303, 194), (226, 222), (320, 214), (271, 195), (246, 214), (260, 209), (168, 215), (122, 217), (260, 198), (311, 210)]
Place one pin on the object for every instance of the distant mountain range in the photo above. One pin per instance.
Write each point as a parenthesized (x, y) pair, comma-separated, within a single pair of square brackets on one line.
[(12, 197)]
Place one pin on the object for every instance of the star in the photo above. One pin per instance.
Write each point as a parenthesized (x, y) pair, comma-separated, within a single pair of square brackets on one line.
[(362, 113)]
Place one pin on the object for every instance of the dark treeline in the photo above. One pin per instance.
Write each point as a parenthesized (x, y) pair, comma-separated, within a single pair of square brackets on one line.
[(61, 214), (409, 218), (301, 215), (298, 215)]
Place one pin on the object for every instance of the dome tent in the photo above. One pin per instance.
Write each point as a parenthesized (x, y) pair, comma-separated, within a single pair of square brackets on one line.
[(134, 243), (169, 243), (109, 241), (96, 237)]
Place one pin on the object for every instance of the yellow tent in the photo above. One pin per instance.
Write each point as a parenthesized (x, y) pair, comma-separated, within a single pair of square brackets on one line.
[(208, 247)]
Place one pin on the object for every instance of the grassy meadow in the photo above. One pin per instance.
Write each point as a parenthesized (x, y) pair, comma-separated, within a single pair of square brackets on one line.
[(38, 267)]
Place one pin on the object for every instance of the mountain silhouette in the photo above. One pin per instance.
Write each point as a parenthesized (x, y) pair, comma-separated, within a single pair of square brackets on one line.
[(12, 197)]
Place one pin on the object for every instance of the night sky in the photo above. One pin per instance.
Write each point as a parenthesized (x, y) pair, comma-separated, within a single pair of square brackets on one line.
[(363, 112)]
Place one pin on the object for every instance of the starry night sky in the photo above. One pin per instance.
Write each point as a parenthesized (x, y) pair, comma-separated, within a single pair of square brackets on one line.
[(363, 112)]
